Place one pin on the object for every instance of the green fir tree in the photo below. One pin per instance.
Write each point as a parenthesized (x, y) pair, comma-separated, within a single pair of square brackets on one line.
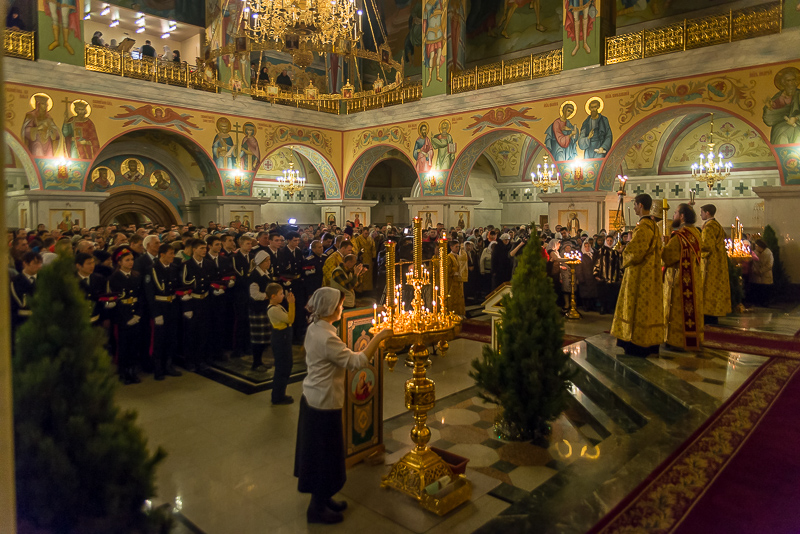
[(82, 465), (528, 376)]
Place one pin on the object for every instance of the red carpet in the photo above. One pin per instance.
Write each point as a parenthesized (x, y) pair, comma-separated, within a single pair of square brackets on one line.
[(477, 330), (738, 473), (751, 342)]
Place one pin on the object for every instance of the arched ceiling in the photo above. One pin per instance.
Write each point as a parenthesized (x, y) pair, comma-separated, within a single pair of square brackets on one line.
[(674, 145), (392, 171), (275, 163)]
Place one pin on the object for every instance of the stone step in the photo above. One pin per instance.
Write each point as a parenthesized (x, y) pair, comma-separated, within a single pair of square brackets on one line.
[(664, 393)]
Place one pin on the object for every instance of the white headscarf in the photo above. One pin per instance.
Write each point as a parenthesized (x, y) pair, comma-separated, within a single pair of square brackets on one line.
[(323, 303), (261, 255)]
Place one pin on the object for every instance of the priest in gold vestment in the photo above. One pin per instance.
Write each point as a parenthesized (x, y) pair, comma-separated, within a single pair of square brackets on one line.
[(714, 267), (639, 317), (365, 245), (455, 284), (683, 286)]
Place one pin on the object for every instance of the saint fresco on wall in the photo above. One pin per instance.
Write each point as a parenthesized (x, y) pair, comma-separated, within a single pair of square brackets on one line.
[(80, 135), (595, 136), (782, 111), (561, 136), (39, 131)]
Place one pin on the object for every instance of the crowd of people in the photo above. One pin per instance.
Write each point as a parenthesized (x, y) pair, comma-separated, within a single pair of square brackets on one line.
[(195, 294)]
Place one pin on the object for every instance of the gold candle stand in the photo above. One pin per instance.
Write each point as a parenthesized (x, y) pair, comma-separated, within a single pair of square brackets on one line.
[(573, 312), (419, 327)]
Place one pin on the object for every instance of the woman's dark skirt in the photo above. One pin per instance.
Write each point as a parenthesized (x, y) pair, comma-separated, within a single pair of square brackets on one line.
[(319, 453)]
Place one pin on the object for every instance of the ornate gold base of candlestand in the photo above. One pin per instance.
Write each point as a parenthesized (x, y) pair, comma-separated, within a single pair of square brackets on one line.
[(422, 467)]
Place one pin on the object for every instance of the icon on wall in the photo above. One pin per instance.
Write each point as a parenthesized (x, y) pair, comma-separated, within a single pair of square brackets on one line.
[(160, 180), (132, 170), (103, 177)]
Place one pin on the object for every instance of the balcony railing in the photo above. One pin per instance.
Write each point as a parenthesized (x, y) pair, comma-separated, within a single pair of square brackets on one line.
[(102, 59), (695, 33), (19, 44), (505, 72), (409, 93)]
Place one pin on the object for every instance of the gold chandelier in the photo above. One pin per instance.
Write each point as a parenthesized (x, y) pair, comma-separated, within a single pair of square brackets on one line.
[(545, 176), (709, 170), (291, 181), (319, 25)]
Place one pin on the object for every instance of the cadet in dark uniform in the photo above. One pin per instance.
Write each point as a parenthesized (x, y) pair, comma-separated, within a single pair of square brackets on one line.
[(241, 295), (291, 271), (141, 266), (312, 280), (128, 286), (160, 285), (93, 286), (22, 288), (198, 275), (220, 305)]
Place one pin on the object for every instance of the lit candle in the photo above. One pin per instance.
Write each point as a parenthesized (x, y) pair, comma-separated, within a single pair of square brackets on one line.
[(374, 313), (665, 204)]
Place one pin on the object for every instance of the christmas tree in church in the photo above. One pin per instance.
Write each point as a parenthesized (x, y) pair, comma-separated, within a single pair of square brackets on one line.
[(82, 465), (528, 376)]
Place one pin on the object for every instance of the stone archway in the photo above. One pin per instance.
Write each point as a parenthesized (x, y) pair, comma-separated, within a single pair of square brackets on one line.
[(133, 199)]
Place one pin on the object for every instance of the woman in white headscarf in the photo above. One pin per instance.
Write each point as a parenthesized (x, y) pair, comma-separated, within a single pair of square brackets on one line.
[(319, 453), (167, 56)]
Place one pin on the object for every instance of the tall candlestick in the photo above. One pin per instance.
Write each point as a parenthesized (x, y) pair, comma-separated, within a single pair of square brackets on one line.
[(417, 246), (390, 282), (443, 274)]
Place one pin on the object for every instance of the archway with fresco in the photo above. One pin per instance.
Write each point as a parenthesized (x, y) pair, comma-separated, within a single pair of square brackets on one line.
[(159, 163), (135, 205), (510, 152), (20, 169), (323, 167)]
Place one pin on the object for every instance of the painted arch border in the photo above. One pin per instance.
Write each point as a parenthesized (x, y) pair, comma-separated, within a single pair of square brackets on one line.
[(323, 166), (21, 153)]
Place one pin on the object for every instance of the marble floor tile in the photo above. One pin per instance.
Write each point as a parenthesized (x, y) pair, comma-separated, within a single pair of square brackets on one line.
[(479, 455), (530, 477)]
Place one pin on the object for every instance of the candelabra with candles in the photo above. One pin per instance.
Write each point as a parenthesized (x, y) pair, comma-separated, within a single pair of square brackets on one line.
[(735, 246), (572, 259), (709, 170), (545, 176), (418, 327)]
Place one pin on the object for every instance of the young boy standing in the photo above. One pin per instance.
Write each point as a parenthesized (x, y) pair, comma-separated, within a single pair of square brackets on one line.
[(281, 339)]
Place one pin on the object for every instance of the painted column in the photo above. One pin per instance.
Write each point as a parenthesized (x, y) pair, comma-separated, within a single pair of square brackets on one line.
[(791, 13), (585, 25), (435, 49)]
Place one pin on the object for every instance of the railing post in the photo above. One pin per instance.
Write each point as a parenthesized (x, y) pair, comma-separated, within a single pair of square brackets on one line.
[(685, 35), (730, 26), (531, 67), (643, 44), (502, 72), (476, 77)]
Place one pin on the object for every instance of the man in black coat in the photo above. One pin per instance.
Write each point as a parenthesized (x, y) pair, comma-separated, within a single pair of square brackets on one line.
[(160, 284), (148, 50), (501, 261), (198, 274), (22, 288)]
